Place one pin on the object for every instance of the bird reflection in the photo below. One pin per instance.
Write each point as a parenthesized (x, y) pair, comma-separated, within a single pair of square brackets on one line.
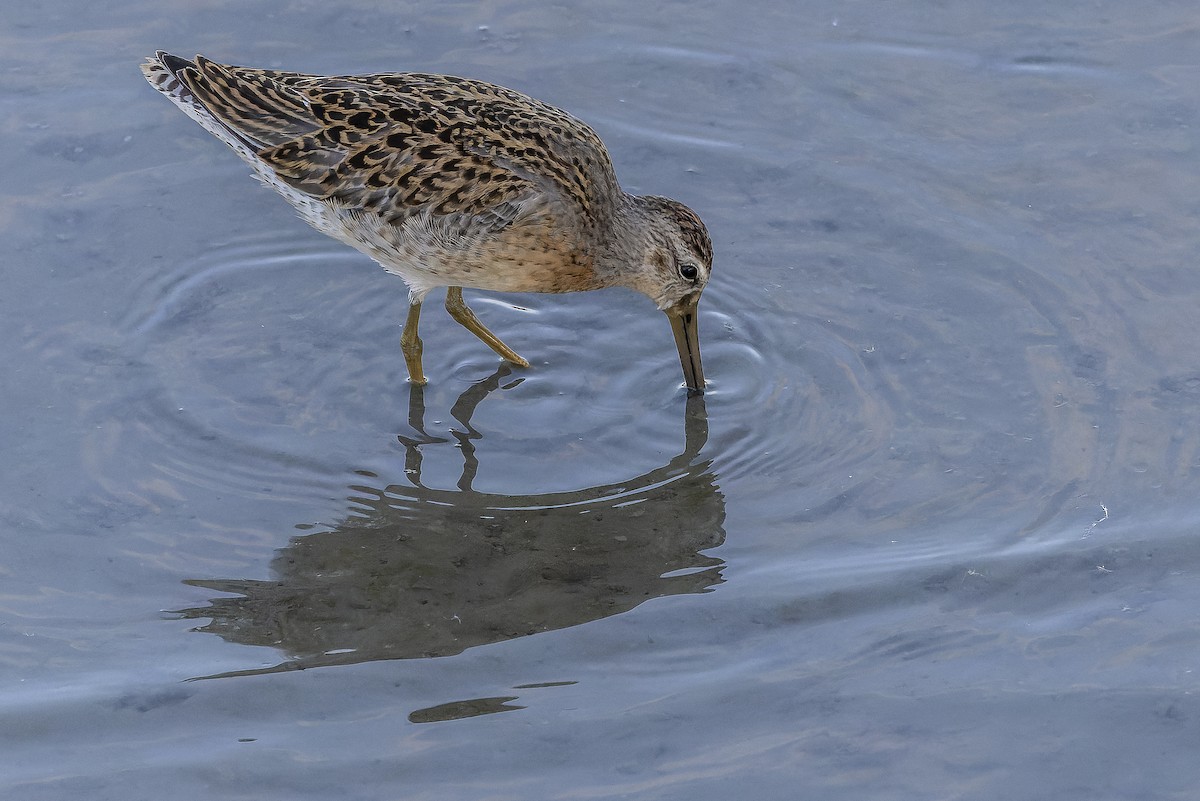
[(419, 572)]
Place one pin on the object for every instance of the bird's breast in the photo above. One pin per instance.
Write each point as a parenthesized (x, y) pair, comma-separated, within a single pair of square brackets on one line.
[(429, 250)]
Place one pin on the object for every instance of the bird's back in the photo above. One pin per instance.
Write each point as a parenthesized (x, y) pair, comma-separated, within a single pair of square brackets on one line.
[(406, 166)]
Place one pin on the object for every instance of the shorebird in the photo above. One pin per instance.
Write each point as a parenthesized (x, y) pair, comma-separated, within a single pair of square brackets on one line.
[(452, 182)]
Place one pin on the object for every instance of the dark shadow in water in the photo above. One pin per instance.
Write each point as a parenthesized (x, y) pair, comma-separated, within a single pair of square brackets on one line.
[(457, 710), (420, 572)]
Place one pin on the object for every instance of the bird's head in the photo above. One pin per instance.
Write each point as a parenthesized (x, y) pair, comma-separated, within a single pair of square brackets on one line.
[(676, 265)]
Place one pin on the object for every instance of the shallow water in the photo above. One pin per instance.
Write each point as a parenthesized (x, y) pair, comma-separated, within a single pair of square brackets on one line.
[(931, 534)]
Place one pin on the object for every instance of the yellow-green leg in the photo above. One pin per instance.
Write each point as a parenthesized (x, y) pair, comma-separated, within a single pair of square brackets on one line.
[(459, 311), (410, 344)]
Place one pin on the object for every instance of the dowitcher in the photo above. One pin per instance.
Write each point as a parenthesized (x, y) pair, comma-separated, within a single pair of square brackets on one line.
[(452, 182)]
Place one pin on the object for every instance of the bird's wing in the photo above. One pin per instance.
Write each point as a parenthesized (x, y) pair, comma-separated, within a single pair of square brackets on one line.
[(400, 143)]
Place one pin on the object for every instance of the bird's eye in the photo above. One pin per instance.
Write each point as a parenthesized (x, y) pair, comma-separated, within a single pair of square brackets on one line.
[(688, 271)]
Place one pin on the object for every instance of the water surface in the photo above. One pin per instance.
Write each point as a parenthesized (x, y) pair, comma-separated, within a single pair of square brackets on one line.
[(931, 534)]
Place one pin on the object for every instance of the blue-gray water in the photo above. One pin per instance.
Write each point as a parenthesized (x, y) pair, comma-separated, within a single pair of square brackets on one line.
[(932, 534)]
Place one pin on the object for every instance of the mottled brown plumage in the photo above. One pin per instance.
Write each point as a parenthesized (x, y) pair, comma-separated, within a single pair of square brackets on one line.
[(451, 182)]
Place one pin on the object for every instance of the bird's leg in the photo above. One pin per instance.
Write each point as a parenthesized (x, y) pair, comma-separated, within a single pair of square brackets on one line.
[(459, 311), (410, 344)]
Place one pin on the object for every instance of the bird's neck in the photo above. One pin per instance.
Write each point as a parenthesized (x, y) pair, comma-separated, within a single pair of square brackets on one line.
[(623, 242)]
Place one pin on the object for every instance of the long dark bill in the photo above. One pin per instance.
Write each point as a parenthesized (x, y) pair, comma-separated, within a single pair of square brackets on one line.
[(684, 322)]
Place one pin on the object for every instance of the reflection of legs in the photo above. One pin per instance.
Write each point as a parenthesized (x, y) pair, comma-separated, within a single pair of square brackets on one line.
[(410, 344), (462, 410), (471, 397), (412, 445), (459, 311)]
